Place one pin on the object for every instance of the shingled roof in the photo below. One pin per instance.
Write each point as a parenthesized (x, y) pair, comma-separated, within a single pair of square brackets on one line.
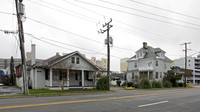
[(151, 52)]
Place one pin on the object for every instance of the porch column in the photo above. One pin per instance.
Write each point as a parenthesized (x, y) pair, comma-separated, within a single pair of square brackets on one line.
[(35, 70), (50, 78), (148, 75), (83, 78), (68, 78)]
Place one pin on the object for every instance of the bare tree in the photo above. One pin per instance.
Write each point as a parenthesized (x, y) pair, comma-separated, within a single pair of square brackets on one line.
[(64, 68), (137, 79)]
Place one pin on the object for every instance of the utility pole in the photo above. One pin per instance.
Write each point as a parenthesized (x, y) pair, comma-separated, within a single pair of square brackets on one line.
[(185, 61), (108, 41), (20, 13), (12, 77)]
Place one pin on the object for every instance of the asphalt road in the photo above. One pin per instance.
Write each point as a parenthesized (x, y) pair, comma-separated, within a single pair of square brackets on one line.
[(173, 100)]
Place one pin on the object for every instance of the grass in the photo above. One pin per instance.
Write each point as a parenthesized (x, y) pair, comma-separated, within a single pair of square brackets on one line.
[(163, 88), (47, 92)]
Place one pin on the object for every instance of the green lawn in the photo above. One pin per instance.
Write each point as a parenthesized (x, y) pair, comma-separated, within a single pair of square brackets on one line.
[(47, 92)]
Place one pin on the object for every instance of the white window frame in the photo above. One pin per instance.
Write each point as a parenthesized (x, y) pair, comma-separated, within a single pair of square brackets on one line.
[(76, 60)]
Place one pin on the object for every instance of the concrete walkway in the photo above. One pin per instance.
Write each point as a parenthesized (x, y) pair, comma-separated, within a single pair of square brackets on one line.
[(6, 90), (116, 88)]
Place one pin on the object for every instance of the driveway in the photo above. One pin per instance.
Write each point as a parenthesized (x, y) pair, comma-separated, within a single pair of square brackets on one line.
[(6, 90)]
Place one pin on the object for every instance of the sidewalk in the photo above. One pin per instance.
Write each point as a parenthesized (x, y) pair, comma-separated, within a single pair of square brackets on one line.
[(6, 90)]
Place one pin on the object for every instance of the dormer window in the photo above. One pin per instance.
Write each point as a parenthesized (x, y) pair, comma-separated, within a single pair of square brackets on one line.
[(161, 54), (137, 55), (140, 54)]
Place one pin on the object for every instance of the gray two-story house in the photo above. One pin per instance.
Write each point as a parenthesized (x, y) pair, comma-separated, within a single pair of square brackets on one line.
[(148, 62)]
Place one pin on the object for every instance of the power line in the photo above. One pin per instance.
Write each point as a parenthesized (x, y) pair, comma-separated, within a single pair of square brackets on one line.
[(119, 21), (68, 10), (84, 8), (72, 33), (131, 32), (50, 43), (60, 42), (86, 16), (149, 13), (61, 11), (17, 44), (63, 30), (137, 15), (8, 13), (165, 9)]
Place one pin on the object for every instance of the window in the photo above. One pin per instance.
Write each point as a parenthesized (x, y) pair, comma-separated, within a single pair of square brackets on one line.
[(60, 77), (46, 74), (135, 64), (188, 60), (149, 63), (160, 74), (140, 54), (76, 76), (156, 63), (137, 55), (72, 60), (133, 76), (156, 75), (77, 60)]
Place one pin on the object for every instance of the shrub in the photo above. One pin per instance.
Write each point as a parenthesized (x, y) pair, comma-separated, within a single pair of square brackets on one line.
[(102, 83), (158, 84), (175, 84), (154, 84), (167, 84), (119, 82), (129, 84), (145, 84), (181, 84)]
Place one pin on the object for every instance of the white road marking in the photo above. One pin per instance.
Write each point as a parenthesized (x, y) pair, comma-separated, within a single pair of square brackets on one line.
[(152, 104)]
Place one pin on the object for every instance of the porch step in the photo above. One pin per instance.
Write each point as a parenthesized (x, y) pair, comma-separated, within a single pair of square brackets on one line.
[(76, 89)]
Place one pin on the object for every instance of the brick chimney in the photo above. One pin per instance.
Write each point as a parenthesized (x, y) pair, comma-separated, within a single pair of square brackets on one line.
[(144, 45)]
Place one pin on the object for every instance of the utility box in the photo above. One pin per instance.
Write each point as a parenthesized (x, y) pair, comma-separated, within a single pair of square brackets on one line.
[(21, 8)]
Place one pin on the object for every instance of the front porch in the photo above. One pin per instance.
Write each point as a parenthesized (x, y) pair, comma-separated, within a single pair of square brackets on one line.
[(71, 79), (146, 74)]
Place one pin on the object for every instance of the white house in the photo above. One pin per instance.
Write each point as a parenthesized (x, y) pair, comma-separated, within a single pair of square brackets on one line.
[(148, 62), (74, 69)]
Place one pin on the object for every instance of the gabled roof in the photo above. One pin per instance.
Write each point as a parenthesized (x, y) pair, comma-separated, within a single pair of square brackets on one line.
[(38, 62), (158, 50), (131, 58), (151, 52), (167, 59), (58, 58), (52, 62)]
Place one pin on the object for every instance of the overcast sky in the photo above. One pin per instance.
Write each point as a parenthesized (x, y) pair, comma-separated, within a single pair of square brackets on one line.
[(76, 22)]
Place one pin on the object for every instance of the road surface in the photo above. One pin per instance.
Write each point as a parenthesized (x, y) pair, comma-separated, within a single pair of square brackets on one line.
[(172, 100)]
